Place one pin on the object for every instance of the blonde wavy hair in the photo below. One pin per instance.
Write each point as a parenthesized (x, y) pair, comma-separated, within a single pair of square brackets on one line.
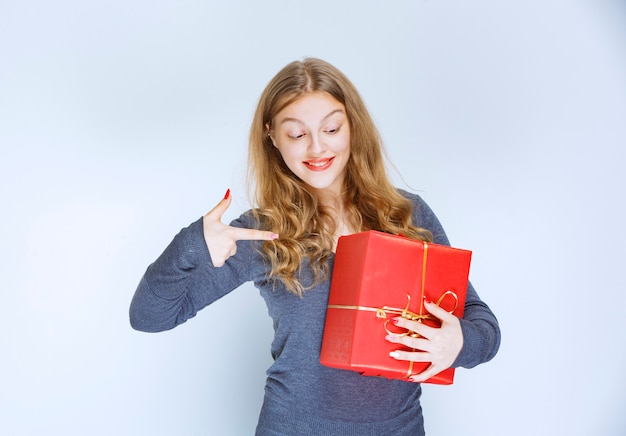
[(286, 205)]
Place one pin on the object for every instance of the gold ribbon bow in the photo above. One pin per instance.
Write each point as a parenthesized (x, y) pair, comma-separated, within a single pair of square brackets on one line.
[(412, 316)]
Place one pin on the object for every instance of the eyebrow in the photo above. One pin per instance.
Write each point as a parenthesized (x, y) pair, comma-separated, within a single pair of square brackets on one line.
[(295, 120)]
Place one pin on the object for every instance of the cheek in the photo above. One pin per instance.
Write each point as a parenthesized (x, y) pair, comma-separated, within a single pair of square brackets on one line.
[(289, 154), (342, 143)]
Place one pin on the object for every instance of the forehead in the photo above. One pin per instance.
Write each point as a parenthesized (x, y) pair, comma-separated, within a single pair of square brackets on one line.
[(311, 107)]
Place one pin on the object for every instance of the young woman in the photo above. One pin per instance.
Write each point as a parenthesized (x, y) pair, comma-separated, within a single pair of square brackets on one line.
[(317, 171)]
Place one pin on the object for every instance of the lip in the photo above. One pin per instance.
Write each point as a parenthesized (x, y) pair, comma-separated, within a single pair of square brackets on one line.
[(320, 164)]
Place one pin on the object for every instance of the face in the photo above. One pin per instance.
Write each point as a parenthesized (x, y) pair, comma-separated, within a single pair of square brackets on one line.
[(313, 136)]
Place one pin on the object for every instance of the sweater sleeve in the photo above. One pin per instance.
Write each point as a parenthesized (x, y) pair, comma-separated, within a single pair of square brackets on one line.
[(481, 331), (183, 280)]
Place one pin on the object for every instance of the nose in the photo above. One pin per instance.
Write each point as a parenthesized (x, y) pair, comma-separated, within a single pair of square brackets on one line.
[(316, 145)]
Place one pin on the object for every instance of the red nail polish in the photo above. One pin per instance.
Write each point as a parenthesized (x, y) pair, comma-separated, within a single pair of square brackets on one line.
[(227, 194), (395, 321)]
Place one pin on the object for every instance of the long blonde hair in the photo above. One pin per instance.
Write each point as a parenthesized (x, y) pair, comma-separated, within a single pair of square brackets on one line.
[(287, 206)]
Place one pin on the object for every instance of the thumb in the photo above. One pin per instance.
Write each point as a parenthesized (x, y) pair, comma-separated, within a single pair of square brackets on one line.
[(218, 211)]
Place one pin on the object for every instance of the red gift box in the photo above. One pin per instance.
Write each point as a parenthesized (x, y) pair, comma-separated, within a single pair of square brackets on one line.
[(377, 277)]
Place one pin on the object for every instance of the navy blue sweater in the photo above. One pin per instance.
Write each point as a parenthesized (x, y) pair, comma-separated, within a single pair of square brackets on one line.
[(301, 396)]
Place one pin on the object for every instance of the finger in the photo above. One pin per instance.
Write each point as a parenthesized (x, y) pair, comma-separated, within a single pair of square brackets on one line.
[(412, 356), (429, 372), (437, 311), (415, 326), (218, 211), (241, 234), (420, 344)]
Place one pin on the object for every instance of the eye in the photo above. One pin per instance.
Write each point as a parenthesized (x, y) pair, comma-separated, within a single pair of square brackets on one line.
[(296, 135), (332, 131)]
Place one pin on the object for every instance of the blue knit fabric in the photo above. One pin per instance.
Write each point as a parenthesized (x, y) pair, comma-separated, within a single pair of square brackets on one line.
[(301, 396)]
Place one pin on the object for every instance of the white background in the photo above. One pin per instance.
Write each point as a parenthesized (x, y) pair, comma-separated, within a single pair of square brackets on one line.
[(123, 121)]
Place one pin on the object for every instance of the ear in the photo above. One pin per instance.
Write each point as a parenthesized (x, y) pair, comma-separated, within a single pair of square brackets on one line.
[(270, 133)]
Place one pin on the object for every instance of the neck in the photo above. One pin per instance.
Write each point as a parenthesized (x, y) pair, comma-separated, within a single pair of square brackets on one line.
[(333, 202), (330, 200), (335, 206)]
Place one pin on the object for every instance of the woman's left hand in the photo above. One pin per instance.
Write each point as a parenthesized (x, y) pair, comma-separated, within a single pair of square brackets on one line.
[(439, 346)]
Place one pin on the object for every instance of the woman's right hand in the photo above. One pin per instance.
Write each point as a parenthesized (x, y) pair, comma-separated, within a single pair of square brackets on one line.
[(221, 239)]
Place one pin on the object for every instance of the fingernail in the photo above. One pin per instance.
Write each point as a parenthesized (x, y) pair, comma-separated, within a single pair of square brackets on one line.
[(390, 338), (227, 194), (426, 300), (394, 354), (274, 236), (395, 321)]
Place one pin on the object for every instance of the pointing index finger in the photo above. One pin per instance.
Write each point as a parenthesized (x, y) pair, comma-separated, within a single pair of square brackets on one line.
[(242, 234)]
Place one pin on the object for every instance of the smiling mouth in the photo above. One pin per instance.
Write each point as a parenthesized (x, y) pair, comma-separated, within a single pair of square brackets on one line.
[(319, 163)]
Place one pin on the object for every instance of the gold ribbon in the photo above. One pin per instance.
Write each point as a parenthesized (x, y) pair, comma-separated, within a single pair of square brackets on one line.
[(384, 311)]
